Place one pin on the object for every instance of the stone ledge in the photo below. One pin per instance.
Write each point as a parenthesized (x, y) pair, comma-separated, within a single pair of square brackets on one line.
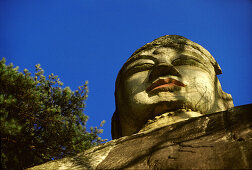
[(219, 140)]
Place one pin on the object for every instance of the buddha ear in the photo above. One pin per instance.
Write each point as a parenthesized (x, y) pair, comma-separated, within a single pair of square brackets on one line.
[(116, 130), (225, 100)]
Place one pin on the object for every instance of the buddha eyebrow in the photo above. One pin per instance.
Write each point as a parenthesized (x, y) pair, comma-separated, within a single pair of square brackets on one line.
[(186, 56), (143, 57), (136, 58), (197, 58), (194, 55)]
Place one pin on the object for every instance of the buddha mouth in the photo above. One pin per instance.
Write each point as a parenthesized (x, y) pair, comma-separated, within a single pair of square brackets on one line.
[(165, 83)]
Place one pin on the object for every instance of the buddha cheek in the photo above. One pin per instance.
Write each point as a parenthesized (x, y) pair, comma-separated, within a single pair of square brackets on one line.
[(200, 90), (135, 85)]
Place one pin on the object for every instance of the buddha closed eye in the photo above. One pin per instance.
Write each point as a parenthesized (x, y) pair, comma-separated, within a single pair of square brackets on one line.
[(144, 64), (191, 61), (139, 65)]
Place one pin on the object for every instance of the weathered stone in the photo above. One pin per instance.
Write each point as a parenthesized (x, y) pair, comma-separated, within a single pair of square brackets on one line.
[(166, 75), (219, 140)]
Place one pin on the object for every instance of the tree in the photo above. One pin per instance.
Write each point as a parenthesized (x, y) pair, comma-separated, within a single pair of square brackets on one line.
[(40, 120)]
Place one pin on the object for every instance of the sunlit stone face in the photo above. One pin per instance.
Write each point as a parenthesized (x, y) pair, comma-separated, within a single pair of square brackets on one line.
[(163, 79), (166, 81)]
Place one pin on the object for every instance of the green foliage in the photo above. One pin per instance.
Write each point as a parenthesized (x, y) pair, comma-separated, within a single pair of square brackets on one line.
[(40, 120)]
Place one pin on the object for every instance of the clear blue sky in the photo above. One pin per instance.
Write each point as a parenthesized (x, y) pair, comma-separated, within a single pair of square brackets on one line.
[(91, 39)]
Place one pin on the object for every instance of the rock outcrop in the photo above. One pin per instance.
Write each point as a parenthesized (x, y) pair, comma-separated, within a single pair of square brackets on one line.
[(221, 140)]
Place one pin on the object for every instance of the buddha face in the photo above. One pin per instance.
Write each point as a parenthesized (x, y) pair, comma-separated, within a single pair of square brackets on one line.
[(164, 79)]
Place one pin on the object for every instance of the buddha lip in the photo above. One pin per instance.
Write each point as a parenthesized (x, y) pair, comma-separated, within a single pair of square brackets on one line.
[(167, 82)]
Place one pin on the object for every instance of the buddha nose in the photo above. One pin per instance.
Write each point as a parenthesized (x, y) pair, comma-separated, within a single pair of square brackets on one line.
[(163, 69)]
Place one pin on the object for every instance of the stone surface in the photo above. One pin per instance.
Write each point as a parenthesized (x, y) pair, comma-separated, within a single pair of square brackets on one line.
[(163, 76), (221, 140)]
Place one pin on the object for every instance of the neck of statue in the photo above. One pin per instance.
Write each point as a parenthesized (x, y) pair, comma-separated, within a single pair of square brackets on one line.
[(168, 118)]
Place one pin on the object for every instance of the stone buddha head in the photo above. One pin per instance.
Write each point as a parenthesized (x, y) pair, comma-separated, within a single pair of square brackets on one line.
[(170, 77)]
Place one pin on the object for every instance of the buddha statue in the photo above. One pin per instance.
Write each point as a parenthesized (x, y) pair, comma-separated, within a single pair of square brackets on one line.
[(161, 86), (168, 80)]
